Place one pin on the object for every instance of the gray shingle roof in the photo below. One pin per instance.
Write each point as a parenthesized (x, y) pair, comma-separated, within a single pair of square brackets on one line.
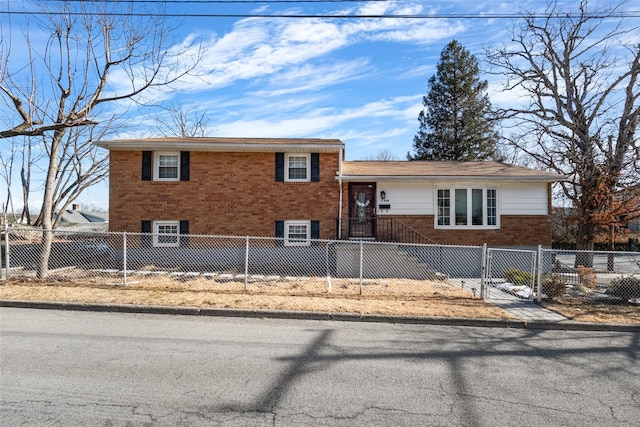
[(358, 170)]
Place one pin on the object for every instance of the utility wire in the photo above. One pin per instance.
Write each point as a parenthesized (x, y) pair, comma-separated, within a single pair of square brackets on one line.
[(231, 1), (235, 1), (569, 15), (336, 16)]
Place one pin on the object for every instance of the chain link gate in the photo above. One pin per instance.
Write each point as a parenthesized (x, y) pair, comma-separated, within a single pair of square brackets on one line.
[(510, 273)]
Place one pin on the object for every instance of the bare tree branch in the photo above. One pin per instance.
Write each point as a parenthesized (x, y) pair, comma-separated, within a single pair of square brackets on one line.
[(582, 118), (62, 93)]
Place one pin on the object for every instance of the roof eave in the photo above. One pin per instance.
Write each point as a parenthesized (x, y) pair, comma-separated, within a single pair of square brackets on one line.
[(388, 178), (134, 145)]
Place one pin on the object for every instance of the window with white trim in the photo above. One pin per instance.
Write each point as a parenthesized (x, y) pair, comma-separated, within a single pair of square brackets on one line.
[(297, 233), (297, 167), (166, 234), (467, 207), (167, 166)]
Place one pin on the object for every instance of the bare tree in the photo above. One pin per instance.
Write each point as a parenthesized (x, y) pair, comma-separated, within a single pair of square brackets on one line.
[(25, 179), (13, 150), (183, 122), (80, 165), (6, 172), (580, 75), (385, 155), (98, 58)]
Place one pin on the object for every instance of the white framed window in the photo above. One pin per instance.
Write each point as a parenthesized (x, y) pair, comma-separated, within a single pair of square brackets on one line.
[(166, 234), (297, 167), (166, 166), (467, 207), (297, 233)]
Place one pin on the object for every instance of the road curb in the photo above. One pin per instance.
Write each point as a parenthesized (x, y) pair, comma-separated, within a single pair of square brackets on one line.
[(327, 316), (570, 325)]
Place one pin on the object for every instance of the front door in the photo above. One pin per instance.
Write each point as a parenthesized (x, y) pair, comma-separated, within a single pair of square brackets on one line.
[(362, 210)]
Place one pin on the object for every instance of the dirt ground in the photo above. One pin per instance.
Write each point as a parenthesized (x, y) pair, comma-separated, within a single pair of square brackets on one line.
[(590, 311), (414, 298), (379, 296)]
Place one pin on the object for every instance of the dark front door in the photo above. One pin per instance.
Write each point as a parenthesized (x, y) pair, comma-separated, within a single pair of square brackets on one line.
[(362, 210)]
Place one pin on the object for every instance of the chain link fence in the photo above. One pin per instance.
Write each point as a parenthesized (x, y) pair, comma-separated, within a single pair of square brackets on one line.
[(243, 264), (590, 276), (268, 266), (510, 273)]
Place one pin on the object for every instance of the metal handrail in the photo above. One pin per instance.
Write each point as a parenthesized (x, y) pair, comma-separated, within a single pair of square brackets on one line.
[(419, 237), (388, 229)]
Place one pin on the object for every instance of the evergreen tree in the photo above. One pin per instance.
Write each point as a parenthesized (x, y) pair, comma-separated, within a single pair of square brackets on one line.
[(455, 123)]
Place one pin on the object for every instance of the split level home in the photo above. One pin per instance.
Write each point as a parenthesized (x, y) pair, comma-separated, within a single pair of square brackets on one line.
[(303, 189)]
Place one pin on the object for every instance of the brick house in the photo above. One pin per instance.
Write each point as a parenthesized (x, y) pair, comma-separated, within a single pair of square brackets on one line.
[(302, 189)]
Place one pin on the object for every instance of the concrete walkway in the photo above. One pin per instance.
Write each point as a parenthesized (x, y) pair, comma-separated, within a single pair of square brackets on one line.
[(522, 309), (526, 310)]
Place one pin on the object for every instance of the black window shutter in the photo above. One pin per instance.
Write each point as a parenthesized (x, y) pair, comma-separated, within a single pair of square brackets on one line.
[(280, 168), (184, 230), (184, 165), (279, 233), (146, 166), (315, 229), (315, 167), (146, 228)]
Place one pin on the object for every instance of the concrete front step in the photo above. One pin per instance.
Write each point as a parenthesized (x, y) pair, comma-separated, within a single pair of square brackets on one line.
[(380, 261)]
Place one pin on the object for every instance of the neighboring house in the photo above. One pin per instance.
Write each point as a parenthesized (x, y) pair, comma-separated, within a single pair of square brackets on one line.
[(302, 189), (77, 216)]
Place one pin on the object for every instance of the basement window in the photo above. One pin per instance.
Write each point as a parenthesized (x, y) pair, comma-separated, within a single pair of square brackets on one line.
[(166, 234)]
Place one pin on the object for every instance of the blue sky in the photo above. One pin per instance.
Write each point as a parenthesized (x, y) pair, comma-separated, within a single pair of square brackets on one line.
[(359, 80)]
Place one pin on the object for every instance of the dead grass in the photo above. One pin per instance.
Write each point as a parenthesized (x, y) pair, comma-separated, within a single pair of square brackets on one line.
[(410, 297), (588, 310), (379, 296)]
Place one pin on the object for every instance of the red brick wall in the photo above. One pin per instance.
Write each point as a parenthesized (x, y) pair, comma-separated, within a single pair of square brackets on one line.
[(515, 230), (228, 194)]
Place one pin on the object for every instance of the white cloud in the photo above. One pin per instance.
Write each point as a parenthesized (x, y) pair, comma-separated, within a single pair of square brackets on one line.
[(309, 78), (258, 48)]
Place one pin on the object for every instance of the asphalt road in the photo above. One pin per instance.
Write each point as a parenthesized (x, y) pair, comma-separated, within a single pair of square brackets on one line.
[(109, 369)]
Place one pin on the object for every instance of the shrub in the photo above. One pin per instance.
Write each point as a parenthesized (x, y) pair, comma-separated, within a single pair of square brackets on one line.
[(553, 286), (587, 277), (625, 288), (517, 277)]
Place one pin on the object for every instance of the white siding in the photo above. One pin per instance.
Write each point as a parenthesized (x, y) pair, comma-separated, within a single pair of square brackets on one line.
[(523, 199), (418, 198), (406, 198)]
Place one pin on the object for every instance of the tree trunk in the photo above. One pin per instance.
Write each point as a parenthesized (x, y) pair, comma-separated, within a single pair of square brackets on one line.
[(584, 242), (45, 253), (46, 214), (25, 179), (610, 258)]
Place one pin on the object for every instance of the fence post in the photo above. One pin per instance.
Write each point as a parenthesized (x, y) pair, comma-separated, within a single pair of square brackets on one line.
[(483, 271), (539, 281), (361, 247), (329, 288), (246, 264), (124, 257), (6, 252)]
